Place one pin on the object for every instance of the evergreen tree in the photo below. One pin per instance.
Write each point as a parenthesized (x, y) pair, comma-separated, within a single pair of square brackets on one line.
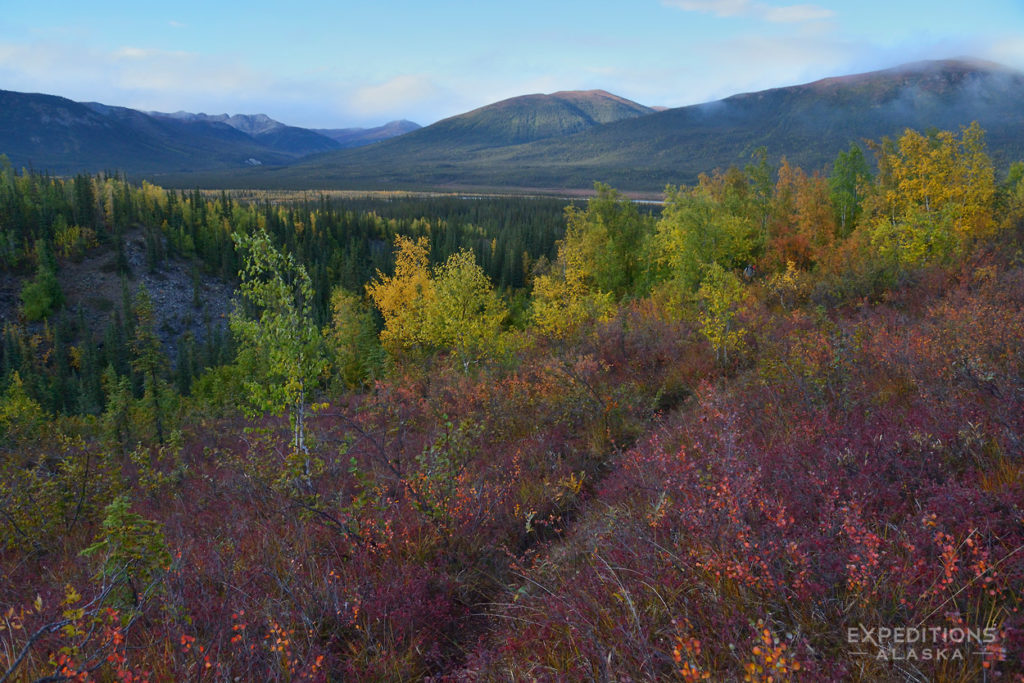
[(43, 295), (149, 361)]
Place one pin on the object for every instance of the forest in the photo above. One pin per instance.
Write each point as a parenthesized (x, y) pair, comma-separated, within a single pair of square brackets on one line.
[(767, 430)]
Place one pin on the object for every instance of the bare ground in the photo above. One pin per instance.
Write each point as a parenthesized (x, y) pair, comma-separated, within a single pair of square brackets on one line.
[(94, 285)]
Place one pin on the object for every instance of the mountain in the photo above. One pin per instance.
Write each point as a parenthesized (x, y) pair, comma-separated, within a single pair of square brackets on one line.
[(357, 137), (301, 140), (503, 124), (455, 150), (507, 123), (527, 118), (266, 132), (560, 142), (62, 136), (566, 141), (250, 124)]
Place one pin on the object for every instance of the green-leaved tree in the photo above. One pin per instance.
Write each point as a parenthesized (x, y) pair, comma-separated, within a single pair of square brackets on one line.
[(280, 350)]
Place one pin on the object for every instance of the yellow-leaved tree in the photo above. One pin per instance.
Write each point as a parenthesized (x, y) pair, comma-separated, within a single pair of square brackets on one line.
[(935, 193), (465, 313), (562, 301), (21, 416), (404, 298), (452, 307), (601, 260), (719, 298), (351, 337)]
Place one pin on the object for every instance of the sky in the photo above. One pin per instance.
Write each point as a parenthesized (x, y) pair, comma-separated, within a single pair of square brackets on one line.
[(344, 64)]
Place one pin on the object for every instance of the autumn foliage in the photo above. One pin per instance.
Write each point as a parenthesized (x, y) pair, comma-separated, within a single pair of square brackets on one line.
[(740, 440)]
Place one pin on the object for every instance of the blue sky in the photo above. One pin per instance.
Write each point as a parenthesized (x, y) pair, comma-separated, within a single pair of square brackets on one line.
[(342, 64)]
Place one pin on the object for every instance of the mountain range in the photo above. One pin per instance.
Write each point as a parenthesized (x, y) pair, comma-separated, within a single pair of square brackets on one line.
[(560, 142), (262, 127), (61, 136)]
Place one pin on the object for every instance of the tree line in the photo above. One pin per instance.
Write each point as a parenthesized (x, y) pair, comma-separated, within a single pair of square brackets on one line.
[(379, 286)]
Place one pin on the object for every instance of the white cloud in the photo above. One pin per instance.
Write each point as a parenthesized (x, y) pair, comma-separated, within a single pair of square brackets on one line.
[(787, 14), (164, 80), (145, 79), (795, 14), (749, 63), (1008, 51), (720, 8), (70, 70), (396, 96), (394, 91), (129, 52)]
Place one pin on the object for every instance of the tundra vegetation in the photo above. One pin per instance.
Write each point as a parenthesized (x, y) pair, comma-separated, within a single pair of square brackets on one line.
[(709, 442)]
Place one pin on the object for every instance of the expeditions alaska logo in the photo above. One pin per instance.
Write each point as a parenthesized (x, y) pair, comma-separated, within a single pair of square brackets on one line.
[(923, 643)]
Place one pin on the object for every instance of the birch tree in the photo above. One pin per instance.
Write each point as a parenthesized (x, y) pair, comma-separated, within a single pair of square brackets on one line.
[(280, 347)]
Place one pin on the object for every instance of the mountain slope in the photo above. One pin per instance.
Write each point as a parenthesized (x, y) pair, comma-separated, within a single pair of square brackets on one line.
[(528, 118), (250, 124), (510, 122), (454, 150), (357, 137), (809, 124), (62, 136), (266, 132)]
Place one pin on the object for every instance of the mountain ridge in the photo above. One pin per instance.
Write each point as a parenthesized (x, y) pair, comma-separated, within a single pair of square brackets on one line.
[(65, 137), (526, 118), (558, 142), (808, 123), (250, 124), (357, 137)]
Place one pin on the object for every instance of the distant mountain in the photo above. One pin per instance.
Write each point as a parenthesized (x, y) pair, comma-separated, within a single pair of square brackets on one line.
[(250, 124), (525, 119), (53, 133), (265, 131), (559, 142), (56, 134), (567, 141), (357, 137), (253, 124), (809, 124)]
